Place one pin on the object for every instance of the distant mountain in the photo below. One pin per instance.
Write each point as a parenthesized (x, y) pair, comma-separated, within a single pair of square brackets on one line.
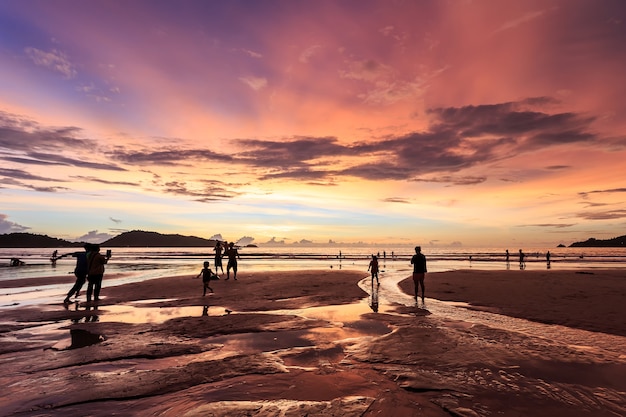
[(616, 242), (29, 240), (139, 238)]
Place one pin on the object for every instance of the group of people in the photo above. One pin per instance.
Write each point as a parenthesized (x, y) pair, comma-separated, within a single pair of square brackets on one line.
[(419, 271), (522, 259), (90, 268), (222, 249)]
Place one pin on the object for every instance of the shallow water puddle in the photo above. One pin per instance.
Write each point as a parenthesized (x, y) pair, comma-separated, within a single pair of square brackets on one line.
[(136, 315), (133, 314)]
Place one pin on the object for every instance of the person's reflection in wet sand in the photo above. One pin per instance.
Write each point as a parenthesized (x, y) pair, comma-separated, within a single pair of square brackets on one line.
[(374, 298), (94, 316)]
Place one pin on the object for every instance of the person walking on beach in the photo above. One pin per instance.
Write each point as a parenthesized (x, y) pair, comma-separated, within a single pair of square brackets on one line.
[(507, 259), (419, 271), (373, 267), (218, 256), (95, 262), (522, 262), (233, 255), (207, 277), (80, 271)]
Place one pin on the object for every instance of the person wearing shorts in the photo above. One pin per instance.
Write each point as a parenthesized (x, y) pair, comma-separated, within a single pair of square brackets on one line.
[(233, 255), (419, 271)]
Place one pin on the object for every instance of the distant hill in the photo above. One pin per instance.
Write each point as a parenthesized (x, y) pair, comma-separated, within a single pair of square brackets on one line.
[(29, 240), (616, 242), (138, 238)]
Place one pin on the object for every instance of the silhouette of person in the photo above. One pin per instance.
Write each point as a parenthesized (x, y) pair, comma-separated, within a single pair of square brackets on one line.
[(522, 262), (218, 256), (548, 257), (233, 255), (95, 268), (80, 271), (207, 277), (373, 267), (419, 271), (16, 262)]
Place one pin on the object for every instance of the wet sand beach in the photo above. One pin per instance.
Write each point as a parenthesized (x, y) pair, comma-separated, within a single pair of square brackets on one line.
[(484, 343)]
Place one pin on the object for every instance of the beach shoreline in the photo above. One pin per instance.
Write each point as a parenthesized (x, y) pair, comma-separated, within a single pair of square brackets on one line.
[(312, 341)]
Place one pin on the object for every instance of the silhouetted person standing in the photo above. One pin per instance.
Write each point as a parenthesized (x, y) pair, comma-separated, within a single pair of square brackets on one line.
[(233, 255), (419, 271), (80, 271), (95, 262), (522, 262), (373, 267), (218, 256)]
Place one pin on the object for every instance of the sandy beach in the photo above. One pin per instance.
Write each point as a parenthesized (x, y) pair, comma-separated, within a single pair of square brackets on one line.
[(484, 343)]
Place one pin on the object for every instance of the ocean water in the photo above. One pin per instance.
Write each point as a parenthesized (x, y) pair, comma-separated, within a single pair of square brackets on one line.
[(146, 263)]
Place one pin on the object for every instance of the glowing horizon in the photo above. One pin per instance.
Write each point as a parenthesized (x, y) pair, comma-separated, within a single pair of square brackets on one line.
[(481, 123)]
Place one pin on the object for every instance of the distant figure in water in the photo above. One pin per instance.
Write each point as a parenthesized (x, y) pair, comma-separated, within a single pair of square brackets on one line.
[(218, 256), (548, 257), (419, 271), (373, 267), (16, 262), (207, 277), (233, 255), (80, 271), (522, 262)]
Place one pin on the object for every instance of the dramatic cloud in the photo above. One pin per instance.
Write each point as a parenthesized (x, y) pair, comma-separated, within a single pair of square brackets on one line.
[(206, 192), (447, 121), (10, 227), (54, 60), (555, 225), (604, 215), (169, 156), (586, 194), (396, 200), (94, 236)]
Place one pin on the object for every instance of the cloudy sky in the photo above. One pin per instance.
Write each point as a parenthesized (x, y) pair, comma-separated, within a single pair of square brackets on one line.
[(473, 122)]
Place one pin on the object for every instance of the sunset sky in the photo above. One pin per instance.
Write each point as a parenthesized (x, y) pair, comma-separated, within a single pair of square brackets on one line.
[(435, 122)]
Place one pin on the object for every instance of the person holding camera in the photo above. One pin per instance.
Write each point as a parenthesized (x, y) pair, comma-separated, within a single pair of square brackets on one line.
[(96, 262)]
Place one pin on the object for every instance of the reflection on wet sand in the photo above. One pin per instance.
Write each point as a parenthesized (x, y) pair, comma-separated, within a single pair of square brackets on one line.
[(378, 355)]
